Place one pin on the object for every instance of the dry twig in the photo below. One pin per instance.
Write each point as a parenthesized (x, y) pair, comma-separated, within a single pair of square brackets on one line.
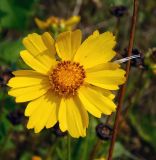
[(123, 87)]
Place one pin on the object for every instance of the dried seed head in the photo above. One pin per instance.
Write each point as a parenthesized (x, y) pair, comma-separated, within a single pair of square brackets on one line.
[(136, 62), (104, 131), (118, 11)]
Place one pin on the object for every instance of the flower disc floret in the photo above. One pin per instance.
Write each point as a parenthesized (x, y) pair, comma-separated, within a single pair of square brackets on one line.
[(67, 77)]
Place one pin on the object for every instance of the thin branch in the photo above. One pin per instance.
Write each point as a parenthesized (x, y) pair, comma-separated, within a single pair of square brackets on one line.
[(123, 87), (77, 7)]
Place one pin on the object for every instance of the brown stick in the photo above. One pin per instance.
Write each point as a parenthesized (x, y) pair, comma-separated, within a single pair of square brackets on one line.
[(123, 87)]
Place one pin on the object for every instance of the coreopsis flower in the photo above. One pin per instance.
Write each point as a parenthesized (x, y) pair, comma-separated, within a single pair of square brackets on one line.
[(58, 23), (65, 90)]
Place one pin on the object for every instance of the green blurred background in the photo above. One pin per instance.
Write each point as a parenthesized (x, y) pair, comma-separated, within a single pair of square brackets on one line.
[(137, 136)]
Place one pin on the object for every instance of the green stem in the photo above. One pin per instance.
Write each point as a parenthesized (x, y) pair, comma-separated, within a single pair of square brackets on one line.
[(68, 148)]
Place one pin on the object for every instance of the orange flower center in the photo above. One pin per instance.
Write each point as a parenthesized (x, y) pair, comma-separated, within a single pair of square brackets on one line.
[(67, 77)]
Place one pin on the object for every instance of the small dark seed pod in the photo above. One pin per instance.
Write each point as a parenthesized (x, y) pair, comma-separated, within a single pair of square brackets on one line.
[(137, 62), (104, 131), (118, 11)]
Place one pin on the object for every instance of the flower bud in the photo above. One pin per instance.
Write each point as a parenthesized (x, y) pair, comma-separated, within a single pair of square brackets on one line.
[(104, 131)]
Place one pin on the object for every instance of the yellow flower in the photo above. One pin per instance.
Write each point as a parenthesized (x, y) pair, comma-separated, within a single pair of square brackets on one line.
[(36, 158), (64, 91), (58, 22)]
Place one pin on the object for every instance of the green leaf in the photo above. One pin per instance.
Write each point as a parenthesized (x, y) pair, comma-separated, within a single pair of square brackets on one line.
[(26, 156), (120, 151), (9, 51), (145, 127), (16, 14)]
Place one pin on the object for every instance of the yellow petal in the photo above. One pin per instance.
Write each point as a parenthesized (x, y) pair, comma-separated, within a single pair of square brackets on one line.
[(33, 63), (41, 110), (29, 93), (38, 46), (67, 44), (107, 78), (32, 106), (41, 24), (26, 73), (28, 80), (96, 50), (98, 100), (34, 44), (88, 105), (103, 66), (106, 86), (49, 43), (71, 22), (105, 92), (53, 117), (74, 120), (96, 33), (62, 116), (83, 112)]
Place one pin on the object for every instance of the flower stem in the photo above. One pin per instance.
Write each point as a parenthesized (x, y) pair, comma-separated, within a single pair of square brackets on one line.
[(68, 148), (123, 87), (95, 149)]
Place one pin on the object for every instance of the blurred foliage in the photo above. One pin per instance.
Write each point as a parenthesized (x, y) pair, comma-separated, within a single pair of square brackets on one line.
[(137, 137), (15, 13)]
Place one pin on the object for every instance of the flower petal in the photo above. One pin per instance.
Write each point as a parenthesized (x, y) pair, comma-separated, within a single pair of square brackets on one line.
[(107, 79), (88, 105), (26, 73), (39, 47), (74, 120), (43, 112), (34, 63), (83, 112), (72, 21), (98, 100), (67, 44), (53, 118), (62, 116), (41, 24), (105, 92), (103, 66), (96, 49), (28, 80), (29, 93), (49, 43)]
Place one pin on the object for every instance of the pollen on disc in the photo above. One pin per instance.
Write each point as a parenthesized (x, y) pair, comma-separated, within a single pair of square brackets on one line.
[(67, 77)]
